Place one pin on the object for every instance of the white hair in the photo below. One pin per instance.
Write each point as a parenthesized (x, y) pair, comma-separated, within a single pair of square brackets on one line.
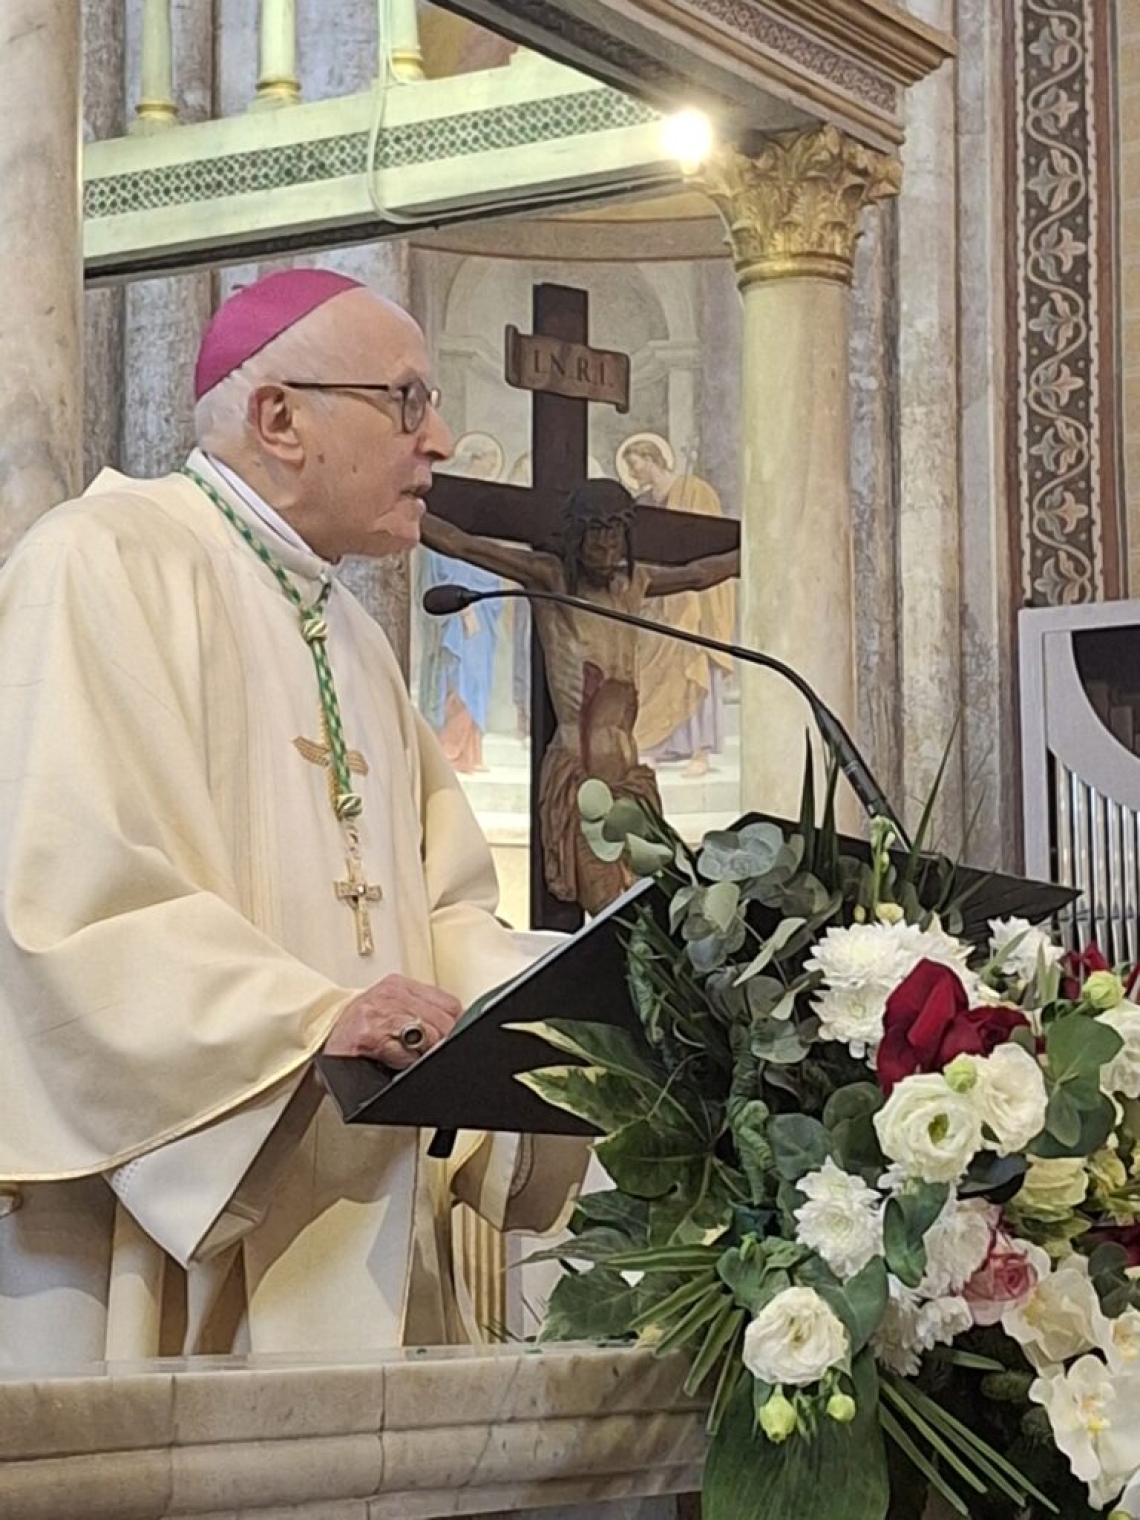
[(221, 417)]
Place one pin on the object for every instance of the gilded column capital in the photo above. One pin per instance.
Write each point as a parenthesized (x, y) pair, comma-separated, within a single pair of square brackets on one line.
[(794, 207)]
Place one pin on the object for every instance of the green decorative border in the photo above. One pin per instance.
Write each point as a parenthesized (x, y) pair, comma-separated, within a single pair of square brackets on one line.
[(303, 163)]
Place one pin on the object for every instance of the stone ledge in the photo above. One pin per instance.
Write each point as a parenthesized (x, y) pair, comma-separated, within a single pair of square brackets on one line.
[(409, 1437)]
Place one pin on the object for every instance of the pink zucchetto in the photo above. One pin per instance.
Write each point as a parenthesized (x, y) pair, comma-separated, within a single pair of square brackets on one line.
[(258, 313)]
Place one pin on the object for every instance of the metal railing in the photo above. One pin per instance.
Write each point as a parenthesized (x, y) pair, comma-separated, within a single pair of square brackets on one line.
[(1080, 727)]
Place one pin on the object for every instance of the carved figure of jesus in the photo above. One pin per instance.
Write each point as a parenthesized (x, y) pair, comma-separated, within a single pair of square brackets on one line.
[(591, 665)]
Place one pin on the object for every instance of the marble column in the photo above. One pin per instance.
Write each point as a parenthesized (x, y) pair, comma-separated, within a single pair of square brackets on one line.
[(929, 541), (990, 760), (165, 317), (793, 213), (874, 496), (41, 271), (104, 113)]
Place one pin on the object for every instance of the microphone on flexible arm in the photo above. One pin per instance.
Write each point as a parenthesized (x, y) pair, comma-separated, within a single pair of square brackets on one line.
[(441, 601)]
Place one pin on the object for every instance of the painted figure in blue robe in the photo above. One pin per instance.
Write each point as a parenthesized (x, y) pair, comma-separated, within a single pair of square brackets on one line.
[(458, 663)]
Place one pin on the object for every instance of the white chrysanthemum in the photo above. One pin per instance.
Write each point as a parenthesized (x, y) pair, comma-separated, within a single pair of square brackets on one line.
[(1021, 962), (957, 1244), (860, 955), (863, 964), (854, 1017), (842, 1219), (895, 1342), (941, 1320)]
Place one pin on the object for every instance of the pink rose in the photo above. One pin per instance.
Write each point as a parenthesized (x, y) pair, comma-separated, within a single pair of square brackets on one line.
[(1003, 1281)]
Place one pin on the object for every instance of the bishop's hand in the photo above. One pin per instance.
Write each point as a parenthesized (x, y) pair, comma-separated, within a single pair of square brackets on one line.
[(395, 1021)]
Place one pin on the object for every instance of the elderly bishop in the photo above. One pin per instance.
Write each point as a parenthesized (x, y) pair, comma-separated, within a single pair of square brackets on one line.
[(227, 843)]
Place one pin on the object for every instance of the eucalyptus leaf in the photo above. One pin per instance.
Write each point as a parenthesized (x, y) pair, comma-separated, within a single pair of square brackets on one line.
[(763, 993), (627, 816), (1063, 1117), (646, 856), (858, 1100), (906, 1219), (721, 902), (799, 1145), (736, 855), (605, 849), (1079, 1046), (1096, 1124), (771, 947), (778, 1042), (594, 800)]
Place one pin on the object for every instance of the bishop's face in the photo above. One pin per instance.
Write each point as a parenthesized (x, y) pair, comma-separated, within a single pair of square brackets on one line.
[(366, 473)]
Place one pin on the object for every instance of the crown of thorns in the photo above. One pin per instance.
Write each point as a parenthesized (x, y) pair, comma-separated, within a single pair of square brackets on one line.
[(600, 501)]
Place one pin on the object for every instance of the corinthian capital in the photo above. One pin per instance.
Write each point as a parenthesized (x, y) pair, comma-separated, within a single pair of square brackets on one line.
[(794, 207)]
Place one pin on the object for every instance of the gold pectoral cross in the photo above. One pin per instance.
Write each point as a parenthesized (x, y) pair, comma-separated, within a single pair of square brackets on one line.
[(357, 893)]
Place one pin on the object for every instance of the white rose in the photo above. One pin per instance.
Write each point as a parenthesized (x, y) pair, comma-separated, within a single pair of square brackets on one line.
[(841, 1219), (1022, 961), (1093, 1415), (1010, 1097), (794, 1339), (1062, 1317), (932, 1132), (1121, 1075), (957, 1244)]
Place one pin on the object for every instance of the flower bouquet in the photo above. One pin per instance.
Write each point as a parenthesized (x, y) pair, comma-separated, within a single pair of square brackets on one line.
[(879, 1184)]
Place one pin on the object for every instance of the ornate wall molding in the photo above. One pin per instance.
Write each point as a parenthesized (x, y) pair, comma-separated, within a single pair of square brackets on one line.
[(795, 206), (1062, 319)]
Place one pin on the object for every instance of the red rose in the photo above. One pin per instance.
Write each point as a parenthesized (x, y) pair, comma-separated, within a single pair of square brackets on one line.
[(929, 1021), (1003, 1281)]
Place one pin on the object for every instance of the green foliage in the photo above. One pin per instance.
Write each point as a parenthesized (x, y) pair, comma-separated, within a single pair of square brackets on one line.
[(712, 1116), (839, 1472), (906, 1220), (799, 1145), (585, 1306)]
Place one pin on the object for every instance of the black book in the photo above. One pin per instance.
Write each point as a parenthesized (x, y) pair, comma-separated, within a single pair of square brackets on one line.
[(468, 1081)]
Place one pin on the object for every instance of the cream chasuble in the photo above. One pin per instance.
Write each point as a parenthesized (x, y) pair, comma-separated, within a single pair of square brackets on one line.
[(175, 949)]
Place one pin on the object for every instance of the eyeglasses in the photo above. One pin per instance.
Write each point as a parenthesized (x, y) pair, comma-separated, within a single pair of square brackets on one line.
[(415, 397)]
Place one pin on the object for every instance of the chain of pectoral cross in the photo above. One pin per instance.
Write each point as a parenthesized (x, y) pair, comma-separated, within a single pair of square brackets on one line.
[(355, 890), (347, 804)]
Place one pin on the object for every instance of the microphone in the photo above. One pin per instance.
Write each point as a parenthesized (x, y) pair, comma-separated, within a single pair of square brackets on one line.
[(440, 601)]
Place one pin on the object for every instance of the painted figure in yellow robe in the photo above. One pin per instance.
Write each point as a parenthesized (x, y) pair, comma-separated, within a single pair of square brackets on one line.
[(682, 706)]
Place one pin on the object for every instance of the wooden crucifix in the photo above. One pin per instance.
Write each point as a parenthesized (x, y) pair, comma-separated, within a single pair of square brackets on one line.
[(565, 375)]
